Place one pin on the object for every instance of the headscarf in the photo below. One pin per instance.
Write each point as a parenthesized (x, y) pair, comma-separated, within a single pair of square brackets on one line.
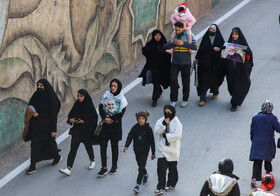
[(119, 86), (157, 44), (226, 166), (172, 109), (218, 38)]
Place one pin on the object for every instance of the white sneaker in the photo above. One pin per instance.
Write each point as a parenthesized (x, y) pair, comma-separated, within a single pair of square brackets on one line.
[(65, 171), (173, 104), (91, 165), (184, 104)]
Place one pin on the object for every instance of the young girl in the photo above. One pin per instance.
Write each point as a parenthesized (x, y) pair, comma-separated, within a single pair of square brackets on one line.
[(143, 139), (183, 14)]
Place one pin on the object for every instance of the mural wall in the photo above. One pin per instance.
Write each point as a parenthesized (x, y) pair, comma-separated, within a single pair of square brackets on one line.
[(74, 44)]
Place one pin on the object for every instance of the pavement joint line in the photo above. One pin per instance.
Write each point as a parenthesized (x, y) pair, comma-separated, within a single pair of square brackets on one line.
[(6, 179)]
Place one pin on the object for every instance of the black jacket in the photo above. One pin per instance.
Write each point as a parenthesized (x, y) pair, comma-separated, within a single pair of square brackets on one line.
[(143, 138)]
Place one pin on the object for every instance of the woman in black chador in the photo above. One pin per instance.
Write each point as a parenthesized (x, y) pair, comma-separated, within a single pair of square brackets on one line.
[(42, 125), (210, 75), (238, 74), (157, 68), (83, 117)]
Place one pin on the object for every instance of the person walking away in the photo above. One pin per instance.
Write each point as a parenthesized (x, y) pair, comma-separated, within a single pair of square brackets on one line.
[(83, 118), (43, 125), (112, 127), (157, 66), (222, 182), (143, 139), (168, 131), (181, 62), (210, 71), (263, 147)]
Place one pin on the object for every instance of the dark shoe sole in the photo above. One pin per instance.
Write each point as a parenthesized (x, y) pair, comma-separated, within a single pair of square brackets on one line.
[(56, 164), (29, 173)]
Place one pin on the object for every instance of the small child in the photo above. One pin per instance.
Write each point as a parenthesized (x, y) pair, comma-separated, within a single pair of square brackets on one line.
[(182, 14), (268, 183), (143, 139)]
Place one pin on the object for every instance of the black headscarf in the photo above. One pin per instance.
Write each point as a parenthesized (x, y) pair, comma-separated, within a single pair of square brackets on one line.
[(226, 166), (119, 86), (218, 40), (161, 43), (172, 109)]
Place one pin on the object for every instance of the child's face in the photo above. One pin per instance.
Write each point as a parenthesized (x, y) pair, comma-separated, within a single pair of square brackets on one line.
[(141, 120)]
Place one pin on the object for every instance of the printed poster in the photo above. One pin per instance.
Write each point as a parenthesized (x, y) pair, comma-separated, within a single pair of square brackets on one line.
[(234, 52), (112, 106)]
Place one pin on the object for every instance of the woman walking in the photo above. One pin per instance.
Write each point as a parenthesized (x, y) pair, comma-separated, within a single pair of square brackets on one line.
[(84, 118), (208, 56), (112, 127), (43, 125), (238, 74), (158, 64), (263, 148)]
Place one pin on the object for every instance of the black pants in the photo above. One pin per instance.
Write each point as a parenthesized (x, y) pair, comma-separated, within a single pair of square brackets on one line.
[(157, 88), (215, 91), (174, 86), (103, 151), (141, 159), (162, 166), (75, 143), (257, 169)]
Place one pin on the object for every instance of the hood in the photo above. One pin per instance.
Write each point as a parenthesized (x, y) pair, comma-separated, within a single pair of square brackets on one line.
[(220, 184)]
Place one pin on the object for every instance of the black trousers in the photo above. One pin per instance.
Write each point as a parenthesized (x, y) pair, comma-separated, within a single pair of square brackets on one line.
[(257, 169), (141, 159), (103, 151), (215, 91), (157, 88), (174, 86), (75, 143), (162, 166)]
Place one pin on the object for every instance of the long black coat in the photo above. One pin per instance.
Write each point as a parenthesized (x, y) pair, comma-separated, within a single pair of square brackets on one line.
[(158, 61), (210, 71), (238, 74)]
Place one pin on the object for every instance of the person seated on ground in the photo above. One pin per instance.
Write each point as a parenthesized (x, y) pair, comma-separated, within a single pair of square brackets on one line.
[(222, 182), (268, 183)]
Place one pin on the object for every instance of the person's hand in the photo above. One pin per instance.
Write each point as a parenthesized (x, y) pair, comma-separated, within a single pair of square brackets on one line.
[(35, 114), (179, 42), (167, 120), (108, 120), (72, 120), (125, 149), (195, 60), (217, 49), (53, 134), (80, 121), (153, 157)]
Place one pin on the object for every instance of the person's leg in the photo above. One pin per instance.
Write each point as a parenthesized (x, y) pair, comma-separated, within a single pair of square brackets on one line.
[(203, 96), (189, 34), (141, 160), (174, 71), (75, 142), (36, 150), (267, 166), (185, 74), (172, 174), (257, 170), (157, 88), (161, 171), (115, 152), (103, 151), (89, 148)]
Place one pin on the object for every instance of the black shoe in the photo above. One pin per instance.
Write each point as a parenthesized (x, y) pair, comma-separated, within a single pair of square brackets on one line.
[(154, 103), (102, 172), (233, 108), (57, 160), (113, 170), (31, 170)]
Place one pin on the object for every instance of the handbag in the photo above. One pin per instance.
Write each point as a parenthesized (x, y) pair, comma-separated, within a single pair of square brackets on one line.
[(278, 143), (98, 128)]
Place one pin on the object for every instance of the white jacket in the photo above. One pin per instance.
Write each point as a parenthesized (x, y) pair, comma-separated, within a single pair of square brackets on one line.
[(171, 152)]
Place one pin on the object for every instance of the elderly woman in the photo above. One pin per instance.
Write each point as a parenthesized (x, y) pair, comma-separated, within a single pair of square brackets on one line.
[(263, 148)]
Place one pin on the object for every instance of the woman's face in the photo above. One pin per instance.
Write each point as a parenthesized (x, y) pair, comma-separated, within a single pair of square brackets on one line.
[(167, 111), (234, 36), (81, 97), (114, 87), (157, 37), (40, 85), (212, 29)]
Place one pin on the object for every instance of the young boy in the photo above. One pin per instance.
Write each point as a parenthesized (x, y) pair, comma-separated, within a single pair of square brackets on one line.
[(143, 139)]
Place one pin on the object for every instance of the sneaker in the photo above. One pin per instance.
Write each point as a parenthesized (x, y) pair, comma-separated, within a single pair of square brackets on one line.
[(214, 97), (91, 165), (159, 191), (57, 161), (253, 183), (65, 171), (30, 170), (169, 188), (184, 104), (102, 173), (113, 170), (201, 103), (173, 104), (154, 103), (233, 108), (145, 179), (136, 188)]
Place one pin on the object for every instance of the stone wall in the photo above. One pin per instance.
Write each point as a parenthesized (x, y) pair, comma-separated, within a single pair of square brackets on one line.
[(74, 44)]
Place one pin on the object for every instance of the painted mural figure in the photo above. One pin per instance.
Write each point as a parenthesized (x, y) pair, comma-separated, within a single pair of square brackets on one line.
[(158, 63), (210, 70), (181, 62), (43, 125), (83, 117), (112, 127)]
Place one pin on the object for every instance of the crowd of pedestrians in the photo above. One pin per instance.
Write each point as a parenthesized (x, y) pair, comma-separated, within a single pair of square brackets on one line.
[(165, 60)]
